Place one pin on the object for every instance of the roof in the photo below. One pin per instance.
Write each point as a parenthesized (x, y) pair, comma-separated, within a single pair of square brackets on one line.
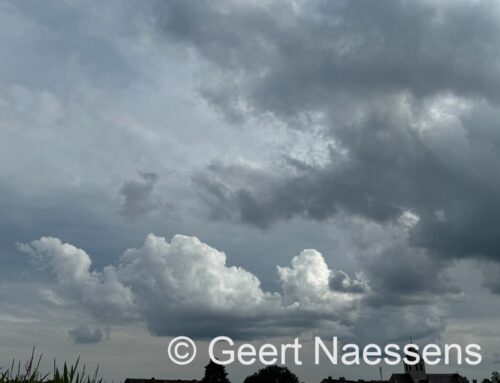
[(400, 378), (343, 380), (431, 378), (444, 378), (153, 380)]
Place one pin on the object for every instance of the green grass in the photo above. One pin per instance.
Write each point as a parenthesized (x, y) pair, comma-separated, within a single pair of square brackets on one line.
[(30, 373)]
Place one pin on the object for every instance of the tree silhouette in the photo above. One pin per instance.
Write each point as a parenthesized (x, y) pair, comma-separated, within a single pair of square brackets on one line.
[(215, 373), (273, 374)]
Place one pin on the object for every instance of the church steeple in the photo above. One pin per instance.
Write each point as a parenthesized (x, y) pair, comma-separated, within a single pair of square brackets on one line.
[(416, 371)]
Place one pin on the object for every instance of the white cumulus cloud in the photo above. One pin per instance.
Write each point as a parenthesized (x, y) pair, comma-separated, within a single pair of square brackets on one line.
[(185, 286)]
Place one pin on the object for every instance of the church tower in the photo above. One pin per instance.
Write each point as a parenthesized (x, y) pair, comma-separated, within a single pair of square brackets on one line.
[(416, 371)]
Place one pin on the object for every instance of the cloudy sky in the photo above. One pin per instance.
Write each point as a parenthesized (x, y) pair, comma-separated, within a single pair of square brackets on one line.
[(257, 169)]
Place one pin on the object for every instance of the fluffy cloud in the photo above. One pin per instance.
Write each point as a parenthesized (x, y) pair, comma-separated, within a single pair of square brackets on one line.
[(185, 286), (308, 283), (100, 292)]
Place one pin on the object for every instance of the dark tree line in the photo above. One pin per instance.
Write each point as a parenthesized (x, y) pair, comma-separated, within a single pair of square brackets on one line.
[(273, 374), (216, 373)]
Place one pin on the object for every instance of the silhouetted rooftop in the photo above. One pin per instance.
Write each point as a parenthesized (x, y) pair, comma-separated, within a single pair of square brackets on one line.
[(153, 380)]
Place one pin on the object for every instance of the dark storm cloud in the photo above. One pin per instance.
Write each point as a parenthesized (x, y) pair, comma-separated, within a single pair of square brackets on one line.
[(288, 59), (399, 273), (407, 92), (82, 334), (136, 195)]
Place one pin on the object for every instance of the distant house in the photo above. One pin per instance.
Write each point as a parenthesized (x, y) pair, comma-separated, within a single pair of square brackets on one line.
[(153, 380)]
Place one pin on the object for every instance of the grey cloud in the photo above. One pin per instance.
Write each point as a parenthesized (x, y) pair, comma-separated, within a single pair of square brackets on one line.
[(399, 274), (270, 198), (340, 281), (385, 244), (289, 59), (136, 195), (491, 275), (496, 358), (82, 334), (398, 323), (406, 92)]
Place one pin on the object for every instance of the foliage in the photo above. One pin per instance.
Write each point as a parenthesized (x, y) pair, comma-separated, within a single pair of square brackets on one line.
[(30, 373), (215, 373), (273, 374)]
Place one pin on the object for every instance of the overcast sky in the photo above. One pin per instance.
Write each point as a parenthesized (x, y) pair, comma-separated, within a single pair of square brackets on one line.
[(258, 169)]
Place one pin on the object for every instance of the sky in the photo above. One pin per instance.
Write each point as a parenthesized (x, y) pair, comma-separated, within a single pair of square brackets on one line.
[(262, 170)]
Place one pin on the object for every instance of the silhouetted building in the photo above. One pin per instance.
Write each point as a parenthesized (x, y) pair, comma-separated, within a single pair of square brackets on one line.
[(429, 378), (412, 374), (417, 374), (344, 380), (153, 380)]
